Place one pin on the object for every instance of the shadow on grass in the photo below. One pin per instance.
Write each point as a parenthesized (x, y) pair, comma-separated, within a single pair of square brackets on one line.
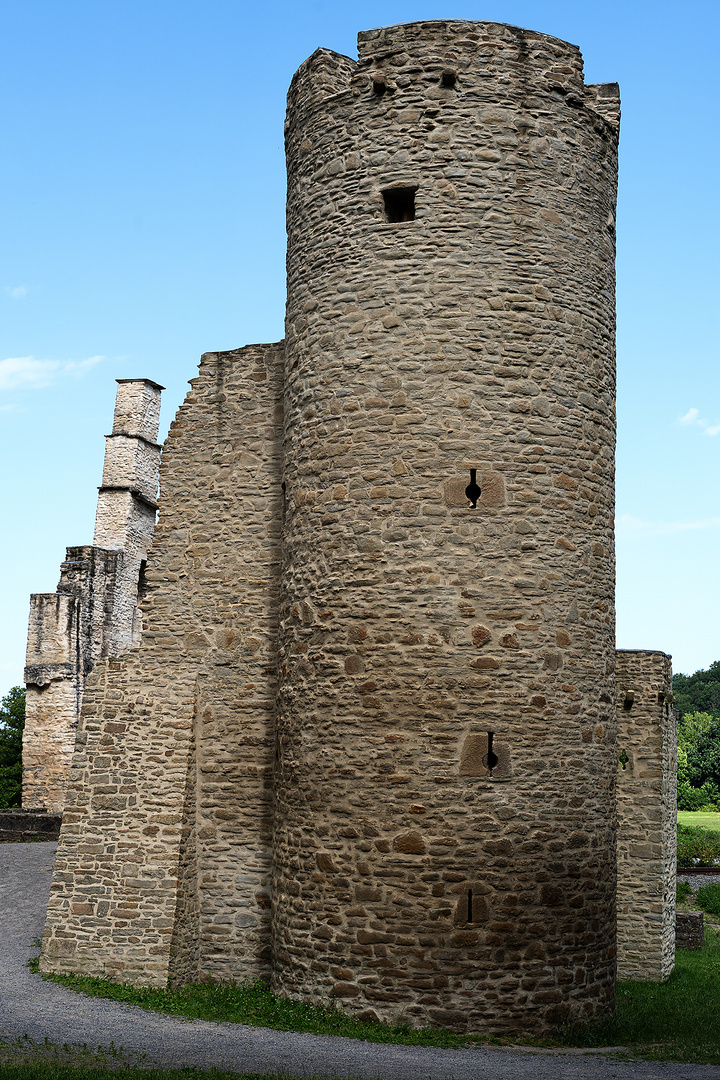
[(678, 1020)]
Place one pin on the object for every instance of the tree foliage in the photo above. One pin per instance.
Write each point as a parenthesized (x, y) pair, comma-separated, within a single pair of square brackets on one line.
[(699, 692), (697, 698), (12, 722), (698, 761)]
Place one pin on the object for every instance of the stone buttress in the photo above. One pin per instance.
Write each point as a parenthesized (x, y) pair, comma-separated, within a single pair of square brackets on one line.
[(163, 864), (647, 818), (93, 614)]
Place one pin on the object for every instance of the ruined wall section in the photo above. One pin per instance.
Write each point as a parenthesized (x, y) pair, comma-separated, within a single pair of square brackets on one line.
[(67, 638), (647, 815), (67, 633), (480, 335), (162, 869), (53, 663), (126, 509)]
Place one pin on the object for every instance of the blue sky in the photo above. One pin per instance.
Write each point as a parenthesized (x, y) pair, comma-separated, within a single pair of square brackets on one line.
[(143, 224)]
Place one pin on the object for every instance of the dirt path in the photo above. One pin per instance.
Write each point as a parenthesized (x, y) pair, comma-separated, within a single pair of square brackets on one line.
[(32, 1010)]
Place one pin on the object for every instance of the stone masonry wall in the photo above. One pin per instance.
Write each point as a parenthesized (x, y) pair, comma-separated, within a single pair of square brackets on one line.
[(647, 818), (163, 869), (52, 702), (125, 518), (67, 638), (450, 308), (432, 674)]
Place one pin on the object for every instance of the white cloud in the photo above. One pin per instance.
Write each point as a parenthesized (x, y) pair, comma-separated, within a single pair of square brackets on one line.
[(16, 291), (27, 373), (627, 525), (692, 418)]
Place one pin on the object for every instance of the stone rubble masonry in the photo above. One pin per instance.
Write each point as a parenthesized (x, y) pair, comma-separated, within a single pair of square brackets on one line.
[(23, 826), (291, 777), (163, 868), (126, 508), (94, 611), (479, 335), (647, 819), (689, 930)]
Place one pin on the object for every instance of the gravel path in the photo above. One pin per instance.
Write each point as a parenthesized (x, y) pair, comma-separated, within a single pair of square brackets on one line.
[(696, 881), (32, 1010)]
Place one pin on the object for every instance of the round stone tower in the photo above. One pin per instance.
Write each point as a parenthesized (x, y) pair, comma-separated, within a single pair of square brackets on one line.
[(445, 847)]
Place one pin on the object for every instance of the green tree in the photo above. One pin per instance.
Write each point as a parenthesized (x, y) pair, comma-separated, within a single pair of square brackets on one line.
[(693, 726), (699, 692), (698, 757), (12, 722)]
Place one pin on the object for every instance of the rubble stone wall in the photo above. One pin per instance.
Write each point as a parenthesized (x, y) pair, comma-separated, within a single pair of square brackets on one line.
[(477, 334), (163, 867), (66, 638), (424, 679), (647, 815), (125, 518)]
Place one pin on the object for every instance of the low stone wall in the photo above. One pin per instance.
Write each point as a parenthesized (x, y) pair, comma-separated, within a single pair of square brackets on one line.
[(21, 825), (689, 930)]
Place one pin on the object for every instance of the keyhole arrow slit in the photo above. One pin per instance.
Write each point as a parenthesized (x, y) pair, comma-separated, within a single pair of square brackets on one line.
[(472, 491), (490, 759)]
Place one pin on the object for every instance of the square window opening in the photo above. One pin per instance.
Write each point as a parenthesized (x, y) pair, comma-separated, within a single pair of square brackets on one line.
[(399, 203)]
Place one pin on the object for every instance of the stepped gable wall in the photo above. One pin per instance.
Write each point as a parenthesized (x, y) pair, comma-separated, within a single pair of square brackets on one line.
[(450, 308), (647, 814), (162, 869)]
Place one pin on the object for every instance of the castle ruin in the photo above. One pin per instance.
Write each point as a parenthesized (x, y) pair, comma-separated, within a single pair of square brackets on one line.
[(94, 612), (367, 747)]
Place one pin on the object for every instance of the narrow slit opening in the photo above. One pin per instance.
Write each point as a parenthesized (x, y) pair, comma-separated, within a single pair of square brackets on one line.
[(469, 906), (491, 759), (473, 490), (142, 582)]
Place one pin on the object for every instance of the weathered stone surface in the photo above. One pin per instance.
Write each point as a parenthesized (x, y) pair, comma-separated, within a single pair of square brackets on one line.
[(170, 794), (331, 625), (94, 612), (689, 930), (477, 336), (24, 825), (647, 820)]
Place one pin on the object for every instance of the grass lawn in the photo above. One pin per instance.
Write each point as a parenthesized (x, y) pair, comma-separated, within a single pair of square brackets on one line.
[(698, 817), (56, 1070), (678, 1020)]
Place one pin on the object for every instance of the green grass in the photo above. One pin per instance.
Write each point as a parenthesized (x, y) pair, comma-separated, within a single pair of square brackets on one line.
[(56, 1070), (699, 817), (678, 1020), (708, 898), (254, 1003), (697, 846)]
